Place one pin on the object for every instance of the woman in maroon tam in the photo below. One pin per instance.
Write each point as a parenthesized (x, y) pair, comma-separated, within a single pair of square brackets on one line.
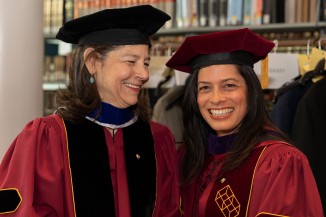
[(99, 155), (234, 161)]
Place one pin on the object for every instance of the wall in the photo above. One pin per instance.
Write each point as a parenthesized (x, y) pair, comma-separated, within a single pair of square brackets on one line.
[(21, 66)]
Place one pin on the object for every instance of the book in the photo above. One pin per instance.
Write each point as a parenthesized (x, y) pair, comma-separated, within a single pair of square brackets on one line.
[(182, 15), (234, 12), (213, 13), (313, 11), (298, 11), (279, 11), (194, 17), (247, 12), (223, 9), (258, 12), (268, 11), (273, 11), (47, 16), (168, 6), (203, 12), (289, 11), (322, 13), (68, 12), (56, 15), (178, 14), (305, 11)]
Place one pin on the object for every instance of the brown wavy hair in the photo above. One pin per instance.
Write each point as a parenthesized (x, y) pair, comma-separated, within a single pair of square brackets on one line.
[(81, 97)]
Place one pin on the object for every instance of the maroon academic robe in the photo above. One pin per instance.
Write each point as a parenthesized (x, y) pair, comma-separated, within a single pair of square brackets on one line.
[(36, 166), (277, 181)]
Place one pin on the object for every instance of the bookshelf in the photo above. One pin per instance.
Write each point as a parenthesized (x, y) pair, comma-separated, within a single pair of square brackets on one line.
[(277, 27), (284, 20)]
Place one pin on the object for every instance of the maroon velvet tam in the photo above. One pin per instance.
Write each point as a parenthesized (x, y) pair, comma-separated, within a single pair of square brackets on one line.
[(116, 26), (241, 46)]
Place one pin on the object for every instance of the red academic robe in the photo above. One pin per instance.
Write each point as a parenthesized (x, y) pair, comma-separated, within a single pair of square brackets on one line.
[(280, 183), (36, 165)]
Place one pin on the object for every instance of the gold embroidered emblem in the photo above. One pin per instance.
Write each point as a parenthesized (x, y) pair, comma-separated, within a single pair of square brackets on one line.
[(227, 202)]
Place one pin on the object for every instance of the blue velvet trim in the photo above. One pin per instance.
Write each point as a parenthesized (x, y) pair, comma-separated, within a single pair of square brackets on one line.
[(112, 115), (219, 144)]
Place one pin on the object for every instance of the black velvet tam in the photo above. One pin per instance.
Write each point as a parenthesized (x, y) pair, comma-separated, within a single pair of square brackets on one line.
[(117, 26)]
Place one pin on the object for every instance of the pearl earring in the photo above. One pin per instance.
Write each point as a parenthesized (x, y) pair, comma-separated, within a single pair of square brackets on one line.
[(91, 79)]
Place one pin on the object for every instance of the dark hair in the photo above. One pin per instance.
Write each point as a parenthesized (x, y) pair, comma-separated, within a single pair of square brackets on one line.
[(81, 96), (249, 133)]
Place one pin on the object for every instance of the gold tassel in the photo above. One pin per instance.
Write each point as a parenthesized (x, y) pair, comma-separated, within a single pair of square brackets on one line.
[(264, 72)]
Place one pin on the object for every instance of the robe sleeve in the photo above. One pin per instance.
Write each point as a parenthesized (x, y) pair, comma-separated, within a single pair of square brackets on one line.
[(284, 185), (168, 194), (34, 166)]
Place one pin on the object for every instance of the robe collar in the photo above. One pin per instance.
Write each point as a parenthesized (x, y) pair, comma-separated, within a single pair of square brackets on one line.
[(220, 144), (112, 117)]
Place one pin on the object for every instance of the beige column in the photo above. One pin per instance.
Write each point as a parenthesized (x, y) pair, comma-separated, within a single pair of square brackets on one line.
[(21, 66)]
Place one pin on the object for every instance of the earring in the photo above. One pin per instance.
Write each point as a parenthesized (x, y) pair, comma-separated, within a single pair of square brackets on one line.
[(91, 79)]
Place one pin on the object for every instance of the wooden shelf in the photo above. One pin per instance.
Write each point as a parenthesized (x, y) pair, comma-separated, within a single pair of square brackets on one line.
[(52, 86), (278, 27)]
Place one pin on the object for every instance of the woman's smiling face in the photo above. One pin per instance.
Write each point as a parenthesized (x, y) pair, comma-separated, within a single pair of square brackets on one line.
[(121, 75), (222, 97)]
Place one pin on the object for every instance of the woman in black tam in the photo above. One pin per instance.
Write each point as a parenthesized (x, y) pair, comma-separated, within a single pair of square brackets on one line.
[(234, 161), (99, 155)]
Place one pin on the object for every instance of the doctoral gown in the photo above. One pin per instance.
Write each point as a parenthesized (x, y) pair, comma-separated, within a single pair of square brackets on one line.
[(35, 172), (275, 180)]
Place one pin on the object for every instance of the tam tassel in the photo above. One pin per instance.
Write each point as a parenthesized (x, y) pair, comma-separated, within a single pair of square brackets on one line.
[(264, 72)]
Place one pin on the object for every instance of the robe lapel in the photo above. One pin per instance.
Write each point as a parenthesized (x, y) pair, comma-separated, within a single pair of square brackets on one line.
[(141, 168), (90, 169)]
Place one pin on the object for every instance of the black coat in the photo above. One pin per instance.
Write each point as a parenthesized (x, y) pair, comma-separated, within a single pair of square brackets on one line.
[(309, 130)]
